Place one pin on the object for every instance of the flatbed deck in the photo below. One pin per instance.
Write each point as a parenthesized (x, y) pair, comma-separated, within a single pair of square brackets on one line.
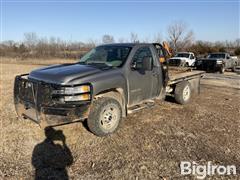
[(177, 74)]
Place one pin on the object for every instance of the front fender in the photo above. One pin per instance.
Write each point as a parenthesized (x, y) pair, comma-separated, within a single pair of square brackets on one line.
[(110, 82)]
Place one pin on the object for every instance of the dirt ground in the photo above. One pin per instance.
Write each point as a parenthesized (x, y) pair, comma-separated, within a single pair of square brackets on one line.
[(149, 145)]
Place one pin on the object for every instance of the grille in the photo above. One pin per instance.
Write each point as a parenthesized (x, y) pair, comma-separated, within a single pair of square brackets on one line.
[(208, 65), (33, 92), (174, 62)]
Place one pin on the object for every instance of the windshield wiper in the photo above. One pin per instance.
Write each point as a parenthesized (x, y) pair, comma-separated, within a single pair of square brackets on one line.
[(100, 62)]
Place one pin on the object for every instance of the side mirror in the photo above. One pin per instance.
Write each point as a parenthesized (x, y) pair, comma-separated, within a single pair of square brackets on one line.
[(228, 57), (134, 66), (147, 63)]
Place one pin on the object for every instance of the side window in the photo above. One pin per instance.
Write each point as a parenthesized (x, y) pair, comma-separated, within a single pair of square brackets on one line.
[(140, 54), (191, 56)]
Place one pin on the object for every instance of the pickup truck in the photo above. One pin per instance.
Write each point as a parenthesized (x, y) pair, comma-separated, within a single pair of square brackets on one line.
[(108, 83), (183, 59), (217, 62)]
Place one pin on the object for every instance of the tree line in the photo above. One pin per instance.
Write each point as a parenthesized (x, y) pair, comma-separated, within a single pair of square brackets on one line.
[(180, 38)]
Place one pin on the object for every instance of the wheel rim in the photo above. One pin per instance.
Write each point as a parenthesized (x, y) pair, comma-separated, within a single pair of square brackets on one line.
[(186, 93), (109, 117)]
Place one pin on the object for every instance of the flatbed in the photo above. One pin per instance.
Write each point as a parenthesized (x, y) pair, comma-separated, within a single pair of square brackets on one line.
[(178, 74)]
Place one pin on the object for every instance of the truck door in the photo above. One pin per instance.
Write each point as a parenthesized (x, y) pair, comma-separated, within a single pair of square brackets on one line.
[(142, 83)]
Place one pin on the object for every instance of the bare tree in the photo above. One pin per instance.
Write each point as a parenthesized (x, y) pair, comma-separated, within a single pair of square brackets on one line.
[(91, 43), (187, 40), (30, 39), (147, 40), (121, 40), (179, 35), (237, 43), (42, 47), (134, 37), (157, 38), (106, 39)]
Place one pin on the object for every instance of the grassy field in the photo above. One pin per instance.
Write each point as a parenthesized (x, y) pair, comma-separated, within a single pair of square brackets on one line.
[(149, 145)]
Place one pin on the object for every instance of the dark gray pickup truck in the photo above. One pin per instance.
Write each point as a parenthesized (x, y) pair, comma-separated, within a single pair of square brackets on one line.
[(108, 83), (216, 62)]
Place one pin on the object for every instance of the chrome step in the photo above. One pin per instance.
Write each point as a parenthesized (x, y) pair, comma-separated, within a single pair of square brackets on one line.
[(135, 108)]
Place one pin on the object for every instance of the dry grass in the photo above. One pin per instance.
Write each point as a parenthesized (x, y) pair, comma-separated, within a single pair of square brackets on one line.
[(149, 145), (30, 61)]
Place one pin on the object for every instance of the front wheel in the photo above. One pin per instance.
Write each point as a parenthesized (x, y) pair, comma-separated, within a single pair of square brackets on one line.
[(222, 70), (186, 64), (105, 116), (183, 92)]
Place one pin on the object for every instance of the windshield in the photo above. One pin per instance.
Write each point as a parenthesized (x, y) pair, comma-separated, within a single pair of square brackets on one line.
[(217, 56), (111, 56), (185, 55)]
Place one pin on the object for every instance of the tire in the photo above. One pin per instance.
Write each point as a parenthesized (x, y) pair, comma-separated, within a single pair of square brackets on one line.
[(237, 69), (234, 66), (183, 92), (105, 116), (222, 70), (186, 64)]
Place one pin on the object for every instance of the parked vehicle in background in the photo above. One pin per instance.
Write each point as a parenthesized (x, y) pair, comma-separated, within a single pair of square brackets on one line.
[(235, 58), (108, 83), (237, 67), (217, 62), (183, 59)]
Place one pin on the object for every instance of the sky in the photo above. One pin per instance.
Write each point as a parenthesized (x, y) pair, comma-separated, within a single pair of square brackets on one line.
[(78, 20)]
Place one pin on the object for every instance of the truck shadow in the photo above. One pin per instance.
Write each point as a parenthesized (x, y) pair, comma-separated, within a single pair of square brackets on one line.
[(170, 99), (50, 159)]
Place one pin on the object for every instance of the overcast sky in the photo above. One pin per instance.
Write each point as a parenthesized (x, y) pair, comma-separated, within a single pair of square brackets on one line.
[(84, 20)]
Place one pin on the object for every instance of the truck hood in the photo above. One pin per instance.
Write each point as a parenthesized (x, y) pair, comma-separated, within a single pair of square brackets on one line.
[(179, 58), (210, 59), (62, 74)]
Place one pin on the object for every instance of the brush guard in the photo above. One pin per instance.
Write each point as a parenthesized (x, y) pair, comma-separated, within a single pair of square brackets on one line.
[(33, 100)]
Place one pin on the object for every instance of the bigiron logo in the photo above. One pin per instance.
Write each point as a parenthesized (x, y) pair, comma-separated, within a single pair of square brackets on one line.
[(202, 171)]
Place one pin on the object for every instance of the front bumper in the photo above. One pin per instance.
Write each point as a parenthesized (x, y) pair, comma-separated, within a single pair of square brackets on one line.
[(33, 100), (209, 66)]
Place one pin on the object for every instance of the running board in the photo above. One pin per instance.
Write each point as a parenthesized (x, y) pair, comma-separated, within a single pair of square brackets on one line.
[(139, 107)]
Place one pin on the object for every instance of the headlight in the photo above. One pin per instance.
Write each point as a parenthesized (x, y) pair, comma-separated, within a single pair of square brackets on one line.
[(82, 97), (77, 89), (77, 93), (73, 90), (199, 62), (219, 62)]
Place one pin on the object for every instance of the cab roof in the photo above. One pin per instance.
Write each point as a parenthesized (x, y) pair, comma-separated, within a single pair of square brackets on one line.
[(127, 44)]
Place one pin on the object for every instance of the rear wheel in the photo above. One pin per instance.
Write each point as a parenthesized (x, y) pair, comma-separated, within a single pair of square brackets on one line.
[(237, 69), (183, 92), (105, 116), (234, 66)]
